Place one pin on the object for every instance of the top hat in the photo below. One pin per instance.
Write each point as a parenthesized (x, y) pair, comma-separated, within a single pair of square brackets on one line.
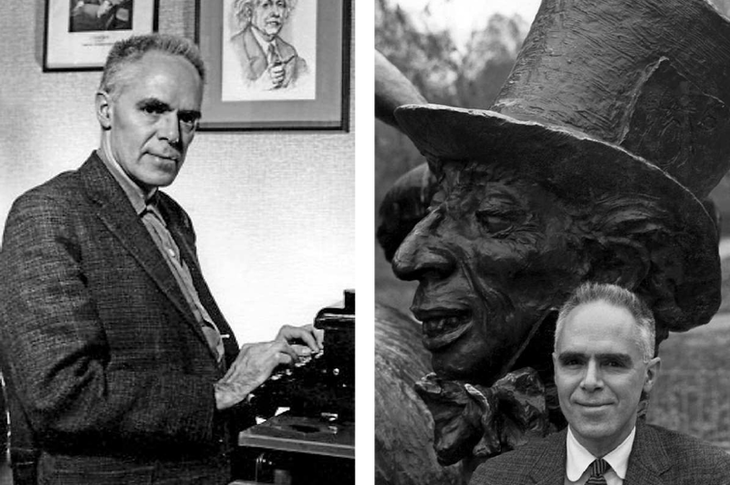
[(611, 97)]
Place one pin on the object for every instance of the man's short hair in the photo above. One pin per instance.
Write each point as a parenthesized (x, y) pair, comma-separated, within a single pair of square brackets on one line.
[(619, 297), (132, 49)]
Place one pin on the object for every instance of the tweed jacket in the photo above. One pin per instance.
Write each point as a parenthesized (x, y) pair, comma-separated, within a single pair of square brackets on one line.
[(659, 456), (102, 352), (253, 58)]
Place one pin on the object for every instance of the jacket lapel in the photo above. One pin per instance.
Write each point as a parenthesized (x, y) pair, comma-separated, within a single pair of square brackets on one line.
[(549, 468), (182, 232), (287, 53), (117, 214), (257, 62), (648, 458)]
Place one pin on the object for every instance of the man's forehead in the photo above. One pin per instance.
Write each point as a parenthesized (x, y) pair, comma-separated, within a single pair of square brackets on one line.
[(157, 73), (478, 173), (600, 309), (598, 325), (476, 180)]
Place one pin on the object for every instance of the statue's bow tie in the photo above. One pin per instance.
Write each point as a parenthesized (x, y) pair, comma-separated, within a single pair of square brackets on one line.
[(477, 421)]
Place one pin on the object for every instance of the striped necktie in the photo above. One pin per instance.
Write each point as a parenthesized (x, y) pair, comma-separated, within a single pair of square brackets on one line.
[(598, 468)]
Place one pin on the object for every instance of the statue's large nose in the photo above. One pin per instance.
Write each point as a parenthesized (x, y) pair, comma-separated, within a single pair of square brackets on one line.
[(423, 252)]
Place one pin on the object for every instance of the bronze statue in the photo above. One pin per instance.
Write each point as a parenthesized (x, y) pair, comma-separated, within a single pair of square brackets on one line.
[(592, 165)]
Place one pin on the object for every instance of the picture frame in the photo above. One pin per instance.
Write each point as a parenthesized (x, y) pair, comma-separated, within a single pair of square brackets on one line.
[(310, 91), (78, 34)]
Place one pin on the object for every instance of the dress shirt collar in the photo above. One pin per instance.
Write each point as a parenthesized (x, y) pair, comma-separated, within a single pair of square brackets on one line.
[(263, 43), (578, 458), (136, 195)]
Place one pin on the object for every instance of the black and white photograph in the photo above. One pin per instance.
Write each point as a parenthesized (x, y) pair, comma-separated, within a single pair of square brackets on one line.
[(390, 242), (97, 15), (177, 306), (78, 34), (552, 242)]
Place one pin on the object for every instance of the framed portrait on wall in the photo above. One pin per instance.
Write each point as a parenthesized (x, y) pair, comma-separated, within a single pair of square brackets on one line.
[(79, 33), (275, 64)]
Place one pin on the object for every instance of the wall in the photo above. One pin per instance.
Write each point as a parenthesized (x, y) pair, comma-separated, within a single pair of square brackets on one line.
[(274, 212)]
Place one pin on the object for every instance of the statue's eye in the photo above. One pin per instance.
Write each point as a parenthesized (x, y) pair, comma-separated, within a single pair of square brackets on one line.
[(500, 214), (495, 223)]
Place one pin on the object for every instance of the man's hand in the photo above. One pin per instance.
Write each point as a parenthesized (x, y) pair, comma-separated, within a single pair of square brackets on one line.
[(276, 74), (272, 78), (255, 362), (312, 337)]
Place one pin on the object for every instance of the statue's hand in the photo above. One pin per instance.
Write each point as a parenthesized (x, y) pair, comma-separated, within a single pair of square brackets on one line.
[(478, 421), (486, 409), (457, 417), (521, 414)]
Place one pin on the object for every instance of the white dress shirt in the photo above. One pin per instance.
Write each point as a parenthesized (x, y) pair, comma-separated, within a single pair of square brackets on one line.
[(579, 459)]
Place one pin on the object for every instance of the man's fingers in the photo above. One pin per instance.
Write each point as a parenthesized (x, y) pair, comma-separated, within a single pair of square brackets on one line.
[(308, 338), (276, 72), (301, 350), (256, 362), (319, 337), (306, 334), (317, 332), (287, 354)]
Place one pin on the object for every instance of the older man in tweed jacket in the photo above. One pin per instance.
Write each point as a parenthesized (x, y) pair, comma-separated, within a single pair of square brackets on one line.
[(115, 352)]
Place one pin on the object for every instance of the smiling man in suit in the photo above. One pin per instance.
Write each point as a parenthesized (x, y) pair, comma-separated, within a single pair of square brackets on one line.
[(605, 367), (114, 350)]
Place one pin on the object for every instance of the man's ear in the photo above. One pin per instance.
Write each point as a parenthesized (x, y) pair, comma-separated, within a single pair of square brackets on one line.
[(103, 103), (619, 261), (652, 372)]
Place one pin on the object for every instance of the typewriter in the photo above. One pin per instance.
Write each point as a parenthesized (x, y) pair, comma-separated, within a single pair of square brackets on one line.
[(313, 442)]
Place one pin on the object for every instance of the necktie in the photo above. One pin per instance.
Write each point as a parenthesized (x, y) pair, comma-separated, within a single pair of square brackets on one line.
[(273, 55), (182, 275), (598, 468)]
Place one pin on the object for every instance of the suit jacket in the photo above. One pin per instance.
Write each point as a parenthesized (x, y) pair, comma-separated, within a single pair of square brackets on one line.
[(659, 456), (103, 355), (254, 62)]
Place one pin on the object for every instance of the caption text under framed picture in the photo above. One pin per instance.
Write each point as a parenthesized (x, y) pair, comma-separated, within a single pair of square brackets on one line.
[(80, 33), (275, 64)]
